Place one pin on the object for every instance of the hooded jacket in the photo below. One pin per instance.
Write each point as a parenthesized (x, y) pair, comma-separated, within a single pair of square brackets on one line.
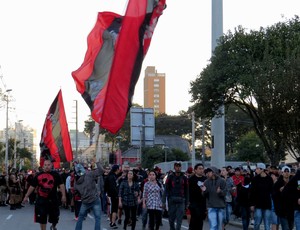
[(86, 185), (215, 199)]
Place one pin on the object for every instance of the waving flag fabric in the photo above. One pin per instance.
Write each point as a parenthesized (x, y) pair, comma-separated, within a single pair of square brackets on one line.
[(116, 49), (55, 139)]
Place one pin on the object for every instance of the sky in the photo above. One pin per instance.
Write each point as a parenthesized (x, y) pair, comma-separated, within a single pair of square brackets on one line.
[(42, 42)]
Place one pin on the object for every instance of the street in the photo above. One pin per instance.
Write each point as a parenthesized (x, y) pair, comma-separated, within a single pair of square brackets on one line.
[(22, 219)]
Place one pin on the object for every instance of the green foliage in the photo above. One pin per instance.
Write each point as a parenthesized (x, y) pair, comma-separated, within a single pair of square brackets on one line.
[(173, 125), (21, 153), (259, 73), (250, 148), (89, 126), (154, 155)]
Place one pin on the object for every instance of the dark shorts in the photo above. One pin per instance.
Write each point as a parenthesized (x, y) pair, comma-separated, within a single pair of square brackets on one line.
[(46, 210), (114, 204)]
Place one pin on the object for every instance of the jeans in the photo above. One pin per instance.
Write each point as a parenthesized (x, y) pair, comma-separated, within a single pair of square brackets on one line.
[(96, 208), (216, 218), (176, 212), (245, 213), (286, 223), (103, 198), (228, 211), (144, 217), (297, 219), (262, 214)]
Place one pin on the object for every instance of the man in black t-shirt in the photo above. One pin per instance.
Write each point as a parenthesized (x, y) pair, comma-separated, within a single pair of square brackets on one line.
[(47, 203), (197, 204)]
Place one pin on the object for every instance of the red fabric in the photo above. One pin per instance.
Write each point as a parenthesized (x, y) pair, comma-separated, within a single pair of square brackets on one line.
[(55, 138), (237, 180), (108, 75)]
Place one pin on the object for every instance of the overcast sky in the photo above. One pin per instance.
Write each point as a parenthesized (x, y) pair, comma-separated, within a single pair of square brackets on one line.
[(42, 42)]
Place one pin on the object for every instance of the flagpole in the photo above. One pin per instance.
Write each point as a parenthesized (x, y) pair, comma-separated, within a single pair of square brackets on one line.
[(97, 147)]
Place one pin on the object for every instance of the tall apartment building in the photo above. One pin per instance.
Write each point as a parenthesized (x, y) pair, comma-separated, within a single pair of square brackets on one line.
[(155, 90)]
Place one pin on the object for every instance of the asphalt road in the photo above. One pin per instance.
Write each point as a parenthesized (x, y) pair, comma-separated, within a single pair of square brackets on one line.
[(22, 219)]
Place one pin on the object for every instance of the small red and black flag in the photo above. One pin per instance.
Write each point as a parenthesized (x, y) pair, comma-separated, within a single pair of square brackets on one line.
[(55, 141), (116, 49)]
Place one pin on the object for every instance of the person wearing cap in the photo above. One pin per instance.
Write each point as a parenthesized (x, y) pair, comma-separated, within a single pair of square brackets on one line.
[(214, 189), (282, 205), (260, 197), (89, 192), (177, 193)]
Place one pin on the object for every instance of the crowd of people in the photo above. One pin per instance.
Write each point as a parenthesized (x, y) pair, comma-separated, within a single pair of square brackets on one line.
[(264, 194)]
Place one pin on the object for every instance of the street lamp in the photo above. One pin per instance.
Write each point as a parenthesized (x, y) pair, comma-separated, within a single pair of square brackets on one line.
[(139, 154), (6, 134)]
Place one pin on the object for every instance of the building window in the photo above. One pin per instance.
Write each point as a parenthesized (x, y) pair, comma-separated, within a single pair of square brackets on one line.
[(156, 85), (156, 95), (156, 80)]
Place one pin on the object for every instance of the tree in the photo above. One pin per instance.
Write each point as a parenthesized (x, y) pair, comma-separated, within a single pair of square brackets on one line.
[(89, 126), (259, 73), (237, 124), (173, 125), (154, 155), (250, 148), (23, 153)]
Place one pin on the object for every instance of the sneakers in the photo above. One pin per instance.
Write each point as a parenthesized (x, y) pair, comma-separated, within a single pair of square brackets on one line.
[(113, 226), (119, 221), (53, 228)]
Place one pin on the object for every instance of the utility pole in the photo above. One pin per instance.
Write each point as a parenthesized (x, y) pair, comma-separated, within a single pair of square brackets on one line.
[(6, 133), (193, 139), (203, 142), (17, 125), (218, 121)]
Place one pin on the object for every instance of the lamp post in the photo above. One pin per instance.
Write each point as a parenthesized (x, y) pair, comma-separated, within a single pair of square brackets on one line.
[(139, 154), (6, 134)]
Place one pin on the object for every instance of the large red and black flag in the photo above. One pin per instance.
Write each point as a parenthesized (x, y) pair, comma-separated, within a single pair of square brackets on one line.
[(55, 139), (116, 49)]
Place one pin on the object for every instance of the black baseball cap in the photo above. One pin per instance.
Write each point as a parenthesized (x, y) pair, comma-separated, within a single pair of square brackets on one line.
[(178, 163)]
